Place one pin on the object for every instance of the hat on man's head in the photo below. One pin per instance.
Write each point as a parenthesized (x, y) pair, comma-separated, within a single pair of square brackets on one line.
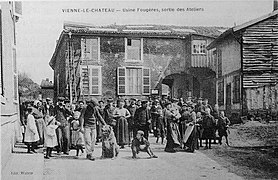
[(93, 101), (48, 99), (175, 100), (167, 103), (61, 98), (184, 104), (200, 98), (67, 100), (144, 101), (109, 100), (140, 132), (133, 99)]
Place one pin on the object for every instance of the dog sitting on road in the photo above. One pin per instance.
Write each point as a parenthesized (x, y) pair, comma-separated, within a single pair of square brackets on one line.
[(110, 148)]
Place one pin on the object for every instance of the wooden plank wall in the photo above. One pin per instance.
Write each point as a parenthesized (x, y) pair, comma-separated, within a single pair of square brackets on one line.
[(262, 98), (260, 53)]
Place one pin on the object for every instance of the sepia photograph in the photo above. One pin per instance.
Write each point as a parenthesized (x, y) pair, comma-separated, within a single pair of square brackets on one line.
[(139, 90)]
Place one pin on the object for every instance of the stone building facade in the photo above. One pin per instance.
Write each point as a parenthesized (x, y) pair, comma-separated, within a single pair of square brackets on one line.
[(133, 60), (10, 119)]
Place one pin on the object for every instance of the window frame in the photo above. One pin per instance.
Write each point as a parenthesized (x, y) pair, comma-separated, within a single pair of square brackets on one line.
[(236, 89), (98, 50), (200, 46), (126, 81), (90, 80), (141, 50), (220, 92)]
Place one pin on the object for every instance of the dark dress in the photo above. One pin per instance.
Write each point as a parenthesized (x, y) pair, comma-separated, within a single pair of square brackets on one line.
[(222, 124), (173, 133), (208, 125), (192, 140), (121, 129)]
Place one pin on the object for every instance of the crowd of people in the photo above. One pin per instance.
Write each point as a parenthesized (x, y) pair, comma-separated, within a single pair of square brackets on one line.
[(65, 126)]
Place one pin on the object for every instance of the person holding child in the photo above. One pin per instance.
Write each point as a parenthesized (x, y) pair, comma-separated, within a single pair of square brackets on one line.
[(50, 135), (139, 143)]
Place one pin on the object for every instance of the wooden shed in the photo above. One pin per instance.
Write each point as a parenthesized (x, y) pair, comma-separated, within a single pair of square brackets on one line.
[(247, 67)]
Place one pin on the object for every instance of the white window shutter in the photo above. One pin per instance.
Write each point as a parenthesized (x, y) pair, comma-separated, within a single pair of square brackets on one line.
[(121, 79), (146, 81), (83, 48), (85, 83), (95, 80)]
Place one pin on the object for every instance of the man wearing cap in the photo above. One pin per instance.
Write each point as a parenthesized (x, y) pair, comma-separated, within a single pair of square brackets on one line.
[(142, 119), (108, 112), (132, 109), (88, 118), (63, 131), (49, 108)]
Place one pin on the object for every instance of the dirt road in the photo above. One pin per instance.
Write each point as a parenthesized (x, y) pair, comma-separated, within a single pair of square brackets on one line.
[(179, 165)]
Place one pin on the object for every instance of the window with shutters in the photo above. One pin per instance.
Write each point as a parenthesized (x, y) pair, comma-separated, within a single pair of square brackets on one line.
[(133, 49), (91, 80), (121, 80), (199, 47), (236, 89), (221, 92), (146, 81), (133, 81), (90, 49)]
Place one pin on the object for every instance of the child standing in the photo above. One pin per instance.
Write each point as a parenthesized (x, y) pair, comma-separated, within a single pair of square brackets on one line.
[(222, 126), (139, 143), (31, 133), (77, 135), (50, 135)]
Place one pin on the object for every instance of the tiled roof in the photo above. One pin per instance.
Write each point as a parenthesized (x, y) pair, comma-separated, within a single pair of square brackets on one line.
[(144, 30)]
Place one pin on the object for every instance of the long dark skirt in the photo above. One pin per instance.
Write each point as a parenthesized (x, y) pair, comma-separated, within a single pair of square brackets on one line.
[(121, 131), (173, 137), (182, 128), (40, 127), (191, 142)]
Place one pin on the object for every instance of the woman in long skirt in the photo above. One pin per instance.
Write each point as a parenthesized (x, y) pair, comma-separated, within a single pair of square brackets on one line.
[(39, 121), (121, 131), (173, 134)]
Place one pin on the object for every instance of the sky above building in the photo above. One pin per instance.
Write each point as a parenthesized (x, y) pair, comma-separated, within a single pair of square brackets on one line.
[(42, 21)]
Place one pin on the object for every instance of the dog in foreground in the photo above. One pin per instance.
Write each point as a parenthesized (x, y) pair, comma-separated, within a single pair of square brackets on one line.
[(110, 148)]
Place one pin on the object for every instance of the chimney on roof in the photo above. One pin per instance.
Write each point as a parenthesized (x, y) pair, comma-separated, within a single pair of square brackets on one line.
[(275, 5), (47, 79)]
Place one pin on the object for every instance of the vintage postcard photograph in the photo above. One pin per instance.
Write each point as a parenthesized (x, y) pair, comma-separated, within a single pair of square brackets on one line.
[(139, 90)]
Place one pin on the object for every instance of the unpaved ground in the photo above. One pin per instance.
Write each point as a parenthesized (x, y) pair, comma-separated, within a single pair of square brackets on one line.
[(179, 165), (253, 151)]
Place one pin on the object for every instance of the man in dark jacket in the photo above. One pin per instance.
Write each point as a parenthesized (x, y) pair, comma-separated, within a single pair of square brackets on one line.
[(142, 119), (209, 125), (88, 118), (63, 131), (132, 109)]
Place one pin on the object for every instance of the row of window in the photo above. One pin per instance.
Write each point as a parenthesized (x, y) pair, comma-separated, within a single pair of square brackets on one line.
[(130, 80), (235, 91), (90, 48)]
